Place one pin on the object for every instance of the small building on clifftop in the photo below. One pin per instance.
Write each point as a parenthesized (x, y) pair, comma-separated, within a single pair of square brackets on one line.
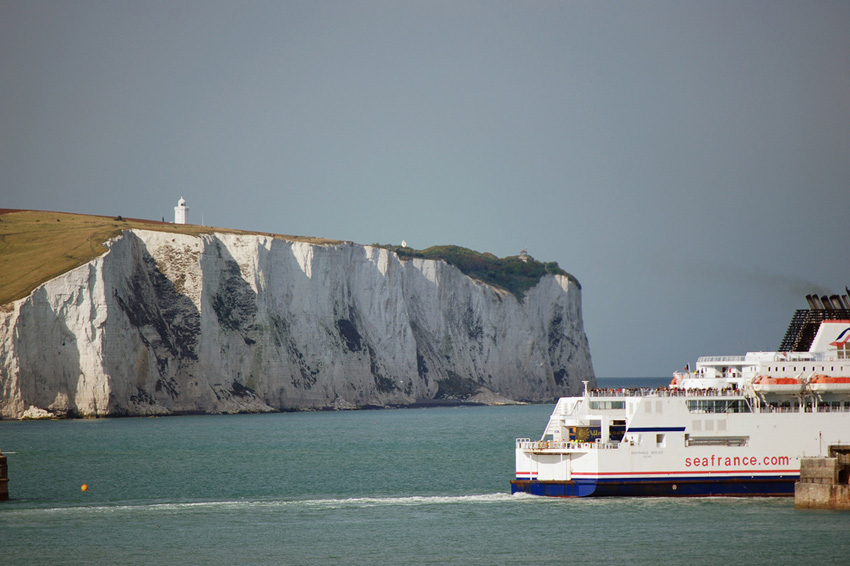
[(181, 212)]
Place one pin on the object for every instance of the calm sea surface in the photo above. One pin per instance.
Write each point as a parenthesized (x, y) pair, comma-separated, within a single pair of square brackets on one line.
[(414, 486)]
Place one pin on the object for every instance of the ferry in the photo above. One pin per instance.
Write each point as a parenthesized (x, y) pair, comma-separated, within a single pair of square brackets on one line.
[(733, 426)]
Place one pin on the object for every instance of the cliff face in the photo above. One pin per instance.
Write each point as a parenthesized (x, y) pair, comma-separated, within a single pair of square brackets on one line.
[(166, 323)]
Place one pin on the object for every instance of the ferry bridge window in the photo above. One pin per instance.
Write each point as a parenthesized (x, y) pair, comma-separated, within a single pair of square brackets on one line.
[(601, 405), (718, 406)]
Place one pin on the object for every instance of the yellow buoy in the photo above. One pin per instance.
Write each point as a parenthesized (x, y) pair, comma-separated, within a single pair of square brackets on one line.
[(84, 487)]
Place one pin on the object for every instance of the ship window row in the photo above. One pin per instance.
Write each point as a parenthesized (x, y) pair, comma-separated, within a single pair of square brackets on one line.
[(718, 406), (804, 368), (794, 407), (605, 405), (716, 440)]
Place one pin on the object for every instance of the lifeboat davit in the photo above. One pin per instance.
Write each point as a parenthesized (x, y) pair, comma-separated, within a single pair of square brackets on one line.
[(781, 385), (827, 384)]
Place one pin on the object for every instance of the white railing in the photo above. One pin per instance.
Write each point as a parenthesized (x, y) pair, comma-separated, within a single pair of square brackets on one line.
[(664, 392), (562, 445), (806, 408), (720, 359)]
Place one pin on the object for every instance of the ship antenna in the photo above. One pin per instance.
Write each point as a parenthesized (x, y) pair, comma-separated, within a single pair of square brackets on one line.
[(585, 387)]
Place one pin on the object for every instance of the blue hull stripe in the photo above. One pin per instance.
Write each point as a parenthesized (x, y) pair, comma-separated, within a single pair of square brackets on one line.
[(667, 487)]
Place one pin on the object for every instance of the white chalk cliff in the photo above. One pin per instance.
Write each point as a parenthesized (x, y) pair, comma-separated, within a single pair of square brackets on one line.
[(165, 323)]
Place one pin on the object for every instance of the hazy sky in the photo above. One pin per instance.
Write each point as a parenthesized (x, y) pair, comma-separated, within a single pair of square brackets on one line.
[(688, 162)]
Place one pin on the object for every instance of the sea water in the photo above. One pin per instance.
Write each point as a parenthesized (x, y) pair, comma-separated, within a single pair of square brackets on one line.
[(406, 486)]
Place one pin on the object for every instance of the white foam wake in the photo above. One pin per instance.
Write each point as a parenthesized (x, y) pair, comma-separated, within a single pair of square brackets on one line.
[(249, 504)]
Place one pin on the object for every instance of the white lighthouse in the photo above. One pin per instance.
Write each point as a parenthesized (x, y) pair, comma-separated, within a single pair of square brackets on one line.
[(181, 212)]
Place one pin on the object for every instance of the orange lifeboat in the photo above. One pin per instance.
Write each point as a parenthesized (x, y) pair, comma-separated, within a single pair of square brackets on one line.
[(779, 385), (828, 384)]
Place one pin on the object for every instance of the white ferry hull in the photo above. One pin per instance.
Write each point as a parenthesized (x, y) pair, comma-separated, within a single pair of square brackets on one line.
[(765, 462), (641, 471), (736, 426)]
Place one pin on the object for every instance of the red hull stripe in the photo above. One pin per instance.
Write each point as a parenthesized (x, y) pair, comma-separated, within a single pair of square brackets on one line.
[(689, 472)]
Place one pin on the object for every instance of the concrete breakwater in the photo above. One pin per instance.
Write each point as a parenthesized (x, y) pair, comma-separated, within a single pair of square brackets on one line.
[(4, 478), (824, 482)]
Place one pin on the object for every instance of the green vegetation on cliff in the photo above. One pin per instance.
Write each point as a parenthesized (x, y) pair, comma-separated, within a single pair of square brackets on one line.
[(512, 273), (36, 246)]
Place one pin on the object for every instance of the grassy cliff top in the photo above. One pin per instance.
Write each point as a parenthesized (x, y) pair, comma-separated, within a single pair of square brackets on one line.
[(511, 273), (36, 246)]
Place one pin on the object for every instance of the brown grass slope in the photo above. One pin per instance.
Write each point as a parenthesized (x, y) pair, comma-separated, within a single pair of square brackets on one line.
[(36, 246)]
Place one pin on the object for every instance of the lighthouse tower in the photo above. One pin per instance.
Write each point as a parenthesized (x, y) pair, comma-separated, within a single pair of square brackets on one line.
[(181, 212)]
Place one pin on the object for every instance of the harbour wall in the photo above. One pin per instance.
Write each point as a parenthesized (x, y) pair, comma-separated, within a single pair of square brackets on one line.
[(4, 479), (824, 481)]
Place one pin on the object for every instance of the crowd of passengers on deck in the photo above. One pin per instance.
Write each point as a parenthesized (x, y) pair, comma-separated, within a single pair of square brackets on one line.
[(662, 392)]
